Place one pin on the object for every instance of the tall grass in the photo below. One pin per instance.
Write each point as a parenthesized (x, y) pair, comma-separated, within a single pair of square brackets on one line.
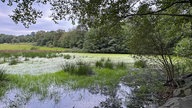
[(79, 68), (109, 64), (13, 61), (2, 74)]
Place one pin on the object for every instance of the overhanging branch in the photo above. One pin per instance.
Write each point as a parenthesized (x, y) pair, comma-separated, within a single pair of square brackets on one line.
[(163, 14)]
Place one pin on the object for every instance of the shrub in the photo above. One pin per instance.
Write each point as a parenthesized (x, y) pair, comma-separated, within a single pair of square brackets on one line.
[(140, 64), (67, 56), (79, 68), (184, 48), (182, 68)]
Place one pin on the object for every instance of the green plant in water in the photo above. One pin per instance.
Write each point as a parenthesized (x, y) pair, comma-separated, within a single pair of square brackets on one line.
[(99, 64), (67, 56), (140, 64), (13, 61), (121, 65), (108, 64), (2, 74), (68, 67), (79, 68)]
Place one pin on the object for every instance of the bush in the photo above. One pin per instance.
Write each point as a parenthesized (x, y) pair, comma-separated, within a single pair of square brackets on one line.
[(79, 68), (140, 64), (184, 48), (67, 56), (184, 67)]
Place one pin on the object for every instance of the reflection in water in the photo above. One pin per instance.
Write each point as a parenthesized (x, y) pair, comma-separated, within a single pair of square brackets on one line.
[(60, 97)]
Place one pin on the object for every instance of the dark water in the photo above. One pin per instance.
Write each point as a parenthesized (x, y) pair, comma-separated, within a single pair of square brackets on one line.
[(59, 97)]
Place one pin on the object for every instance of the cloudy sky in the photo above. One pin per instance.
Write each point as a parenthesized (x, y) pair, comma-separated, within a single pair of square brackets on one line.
[(7, 26)]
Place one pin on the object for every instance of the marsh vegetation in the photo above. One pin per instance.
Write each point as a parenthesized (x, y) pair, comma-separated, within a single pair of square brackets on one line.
[(72, 79)]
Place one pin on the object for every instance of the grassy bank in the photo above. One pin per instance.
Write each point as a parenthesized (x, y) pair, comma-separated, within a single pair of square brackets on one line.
[(28, 46)]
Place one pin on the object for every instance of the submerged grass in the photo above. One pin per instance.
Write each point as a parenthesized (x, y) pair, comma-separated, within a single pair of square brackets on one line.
[(39, 84)]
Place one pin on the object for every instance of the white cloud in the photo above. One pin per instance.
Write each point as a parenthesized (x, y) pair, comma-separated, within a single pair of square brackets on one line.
[(7, 26)]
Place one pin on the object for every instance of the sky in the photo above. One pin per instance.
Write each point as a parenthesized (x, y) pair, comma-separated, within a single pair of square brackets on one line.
[(8, 26)]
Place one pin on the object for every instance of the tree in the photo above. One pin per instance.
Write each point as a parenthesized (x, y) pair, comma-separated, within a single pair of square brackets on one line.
[(73, 38), (98, 12), (101, 40)]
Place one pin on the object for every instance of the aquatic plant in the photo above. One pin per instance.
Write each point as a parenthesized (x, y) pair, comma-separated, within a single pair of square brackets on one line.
[(109, 64), (67, 56), (78, 68), (140, 64), (2, 74)]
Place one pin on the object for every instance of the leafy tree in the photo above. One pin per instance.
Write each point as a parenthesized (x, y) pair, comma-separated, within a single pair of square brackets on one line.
[(73, 38), (102, 40)]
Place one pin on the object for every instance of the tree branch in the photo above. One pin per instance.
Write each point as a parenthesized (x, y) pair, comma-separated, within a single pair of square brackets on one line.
[(163, 9)]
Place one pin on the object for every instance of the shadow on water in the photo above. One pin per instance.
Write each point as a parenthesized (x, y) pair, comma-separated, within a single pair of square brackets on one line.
[(62, 97)]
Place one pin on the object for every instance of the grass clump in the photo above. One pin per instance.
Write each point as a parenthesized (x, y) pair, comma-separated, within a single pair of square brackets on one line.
[(79, 68), (67, 56), (121, 65), (140, 64), (99, 64), (108, 64), (13, 61), (2, 74)]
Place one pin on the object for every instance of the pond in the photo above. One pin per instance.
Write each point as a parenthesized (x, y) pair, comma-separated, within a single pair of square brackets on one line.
[(62, 97), (36, 73)]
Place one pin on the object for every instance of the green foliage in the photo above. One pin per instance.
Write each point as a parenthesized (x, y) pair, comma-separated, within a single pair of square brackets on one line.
[(147, 87), (73, 39), (66, 56), (104, 40), (140, 64), (79, 68), (183, 67), (184, 48)]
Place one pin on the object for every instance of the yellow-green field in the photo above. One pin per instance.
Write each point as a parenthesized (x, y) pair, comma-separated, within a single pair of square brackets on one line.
[(28, 46)]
